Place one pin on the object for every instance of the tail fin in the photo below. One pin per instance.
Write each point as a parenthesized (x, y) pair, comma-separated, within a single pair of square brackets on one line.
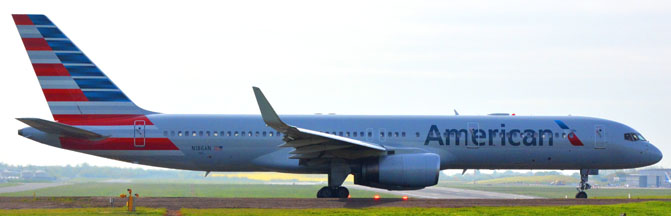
[(76, 90)]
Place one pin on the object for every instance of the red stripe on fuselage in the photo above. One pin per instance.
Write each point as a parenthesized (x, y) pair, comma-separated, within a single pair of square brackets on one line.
[(117, 144), (22, 19), (574, 139), (102, 119), (35, 44), (50, 70), (64, 95)]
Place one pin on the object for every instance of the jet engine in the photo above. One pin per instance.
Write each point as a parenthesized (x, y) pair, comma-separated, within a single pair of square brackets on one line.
[(400, 172)]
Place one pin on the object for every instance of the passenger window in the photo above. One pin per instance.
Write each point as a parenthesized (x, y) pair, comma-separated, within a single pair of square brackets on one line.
[(354, 134), (381, 134), (264, 133), (208, 133), (194, 133), (389, 134), (270, 133), (257, 133), (340, 133), (228, 133), (165, 133), (200, 133), (179, 133), (361, 134), (563, 135), (236, 133), (249, 133), (347, 133), (395, 134), (215, 133), (172, 133), (403, 134), (370, 134), (417, 134)]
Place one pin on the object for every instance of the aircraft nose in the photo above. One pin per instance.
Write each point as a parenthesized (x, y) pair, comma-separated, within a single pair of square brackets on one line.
[(655, 154)]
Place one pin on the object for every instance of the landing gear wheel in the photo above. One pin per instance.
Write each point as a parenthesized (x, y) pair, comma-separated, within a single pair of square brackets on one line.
[(342, 192), (325, 192), (581, 195)]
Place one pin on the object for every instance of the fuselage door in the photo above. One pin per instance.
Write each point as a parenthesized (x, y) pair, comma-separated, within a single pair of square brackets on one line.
[(600, 138), (473, 127), (139, 139)]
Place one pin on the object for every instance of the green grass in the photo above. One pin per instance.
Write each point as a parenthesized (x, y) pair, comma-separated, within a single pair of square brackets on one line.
[(83, 211), (562, 191), (188, 190), (642, 208)]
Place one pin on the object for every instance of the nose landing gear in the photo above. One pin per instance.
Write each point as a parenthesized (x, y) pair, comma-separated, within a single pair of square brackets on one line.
[(584, 176)]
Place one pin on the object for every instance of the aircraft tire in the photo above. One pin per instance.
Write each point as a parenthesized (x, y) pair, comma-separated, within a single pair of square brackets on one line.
[(342, 192), (325, 192), (581, 195)]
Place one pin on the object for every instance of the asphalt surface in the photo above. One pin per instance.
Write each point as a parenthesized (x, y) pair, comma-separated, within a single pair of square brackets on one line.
[(446, 193), (30, 186), (176, 203)]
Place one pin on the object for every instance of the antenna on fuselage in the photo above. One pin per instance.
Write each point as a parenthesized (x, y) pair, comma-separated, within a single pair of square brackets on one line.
[(455, 112)]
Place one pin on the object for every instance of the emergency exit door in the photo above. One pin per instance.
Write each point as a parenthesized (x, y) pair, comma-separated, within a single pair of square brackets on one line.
[(139, 139), (600, 138)]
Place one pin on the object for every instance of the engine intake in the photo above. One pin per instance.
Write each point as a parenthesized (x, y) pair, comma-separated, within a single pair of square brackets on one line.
[(400, 172)]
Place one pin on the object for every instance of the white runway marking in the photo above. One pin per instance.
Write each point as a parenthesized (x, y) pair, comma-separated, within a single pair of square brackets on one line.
[(30, 186), (437, 192)]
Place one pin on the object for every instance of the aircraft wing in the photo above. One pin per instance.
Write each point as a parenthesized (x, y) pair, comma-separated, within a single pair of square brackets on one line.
[(310, 144), (60, 129)]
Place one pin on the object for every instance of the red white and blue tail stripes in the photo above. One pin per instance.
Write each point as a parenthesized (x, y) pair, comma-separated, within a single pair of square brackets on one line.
[(77, 91)]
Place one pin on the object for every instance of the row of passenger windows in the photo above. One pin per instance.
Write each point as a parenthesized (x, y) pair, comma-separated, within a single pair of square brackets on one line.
[(629, 136), (221, 133), (275, 133)]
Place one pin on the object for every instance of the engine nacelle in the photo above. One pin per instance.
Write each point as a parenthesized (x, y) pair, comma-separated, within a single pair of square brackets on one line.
[(400, 172)]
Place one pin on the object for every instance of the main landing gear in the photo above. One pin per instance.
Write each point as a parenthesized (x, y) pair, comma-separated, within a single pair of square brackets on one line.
[(584, 175), (329, 192), (339, 171)]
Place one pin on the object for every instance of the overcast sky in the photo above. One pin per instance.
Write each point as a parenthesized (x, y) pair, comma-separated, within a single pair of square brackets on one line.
[(607, 59)]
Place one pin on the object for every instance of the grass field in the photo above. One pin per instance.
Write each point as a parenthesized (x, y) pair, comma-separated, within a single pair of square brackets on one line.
[(562, 191), (83, 211), (188, 190), (643, 208)]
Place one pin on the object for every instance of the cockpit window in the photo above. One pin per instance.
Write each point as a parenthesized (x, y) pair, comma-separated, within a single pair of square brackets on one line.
[(634, 137)]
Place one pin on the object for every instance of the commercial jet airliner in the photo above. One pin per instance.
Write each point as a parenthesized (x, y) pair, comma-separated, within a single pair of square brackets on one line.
[(93, 116)]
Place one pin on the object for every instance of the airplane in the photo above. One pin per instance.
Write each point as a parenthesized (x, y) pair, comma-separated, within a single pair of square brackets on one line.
[(93, 116)]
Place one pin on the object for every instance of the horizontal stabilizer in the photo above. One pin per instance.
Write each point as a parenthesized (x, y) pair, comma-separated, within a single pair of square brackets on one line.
[(60, 129)]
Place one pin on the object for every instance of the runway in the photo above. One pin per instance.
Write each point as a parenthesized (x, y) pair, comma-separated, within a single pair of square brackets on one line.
[(437, 192), (30, 186), (176, 203)]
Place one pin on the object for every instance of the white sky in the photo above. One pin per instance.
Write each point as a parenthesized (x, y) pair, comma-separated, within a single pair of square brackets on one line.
[(607, 59)]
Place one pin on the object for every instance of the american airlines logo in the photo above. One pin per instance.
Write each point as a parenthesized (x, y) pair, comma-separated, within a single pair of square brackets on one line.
[(512, 137)]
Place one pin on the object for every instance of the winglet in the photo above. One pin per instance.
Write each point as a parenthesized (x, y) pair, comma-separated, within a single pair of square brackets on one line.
[(268, 113)]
